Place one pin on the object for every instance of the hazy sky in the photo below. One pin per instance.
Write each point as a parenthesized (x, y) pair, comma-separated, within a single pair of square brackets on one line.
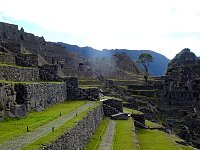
[(165, 26)]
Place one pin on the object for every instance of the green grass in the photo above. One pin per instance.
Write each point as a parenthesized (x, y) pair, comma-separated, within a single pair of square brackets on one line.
[(155, 140), (97, 136), (123, 139), (186, 147), (89, 82), (90, 86), (11, 128), (132, 111), (152, 124), (58, 132)]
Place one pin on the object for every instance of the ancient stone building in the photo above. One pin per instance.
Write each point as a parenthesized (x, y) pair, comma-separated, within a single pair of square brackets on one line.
[(26, 45), (180, 104), (36, 74)]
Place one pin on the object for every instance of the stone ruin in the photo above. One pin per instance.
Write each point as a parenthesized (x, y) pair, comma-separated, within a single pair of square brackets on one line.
[(114, 109), (180, 104), (173, 99), (36, 74), (30, 50), (177, 103)]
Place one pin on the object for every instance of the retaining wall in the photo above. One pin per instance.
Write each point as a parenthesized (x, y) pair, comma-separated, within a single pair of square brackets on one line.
[(38, 96), (18, 74), (78, 136)]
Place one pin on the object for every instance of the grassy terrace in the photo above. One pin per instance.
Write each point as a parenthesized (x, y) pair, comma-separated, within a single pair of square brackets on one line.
[(89, 86), (11, 128), (123, 139), (132, 111), (152, 124), (54, 135), (155, 140), (89, 82), (97, 136)]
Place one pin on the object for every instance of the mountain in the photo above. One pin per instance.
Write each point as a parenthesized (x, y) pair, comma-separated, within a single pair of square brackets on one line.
[(157, 68)]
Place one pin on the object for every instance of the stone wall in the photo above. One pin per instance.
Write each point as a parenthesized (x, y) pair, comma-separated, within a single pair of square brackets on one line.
[(112, 107), (49, 72), (37, 96), (7, 58), (89, 94), (30, 60), (18, 74), (78, 136), (72, 87), (13, 47), (8, 96)]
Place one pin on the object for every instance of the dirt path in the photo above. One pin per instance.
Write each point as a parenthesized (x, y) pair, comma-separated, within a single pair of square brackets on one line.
[(30, 137), (106, 142)]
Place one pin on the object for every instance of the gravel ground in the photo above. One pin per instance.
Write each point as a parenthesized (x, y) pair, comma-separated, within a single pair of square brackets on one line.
[(107, 141)]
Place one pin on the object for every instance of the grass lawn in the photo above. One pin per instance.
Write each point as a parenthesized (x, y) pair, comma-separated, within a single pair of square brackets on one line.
[(155, 140), (96, 137), (132, 111), (54, 135), (11, 128), (152, 124), (123, 139)]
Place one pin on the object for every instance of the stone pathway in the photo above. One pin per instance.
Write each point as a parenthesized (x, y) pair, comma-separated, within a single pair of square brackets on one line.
[(107, 141), (135, 138), (32, 136)]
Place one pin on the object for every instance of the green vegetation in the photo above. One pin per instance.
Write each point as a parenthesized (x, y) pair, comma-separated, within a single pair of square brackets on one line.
[(145, 59), (89, 86), (154, 139), (152, 124), (53, 135), (132, 111), (186, 147), (11, 128), (89, 82), (123, 139), (95, 139)]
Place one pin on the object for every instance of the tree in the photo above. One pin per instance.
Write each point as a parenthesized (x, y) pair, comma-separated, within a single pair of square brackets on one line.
[(145, 59)]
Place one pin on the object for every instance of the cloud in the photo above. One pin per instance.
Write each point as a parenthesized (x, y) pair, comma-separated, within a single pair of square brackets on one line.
[(131, 24)]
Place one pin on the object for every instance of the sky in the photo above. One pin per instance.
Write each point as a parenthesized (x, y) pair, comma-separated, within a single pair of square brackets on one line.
[(164, 26)]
